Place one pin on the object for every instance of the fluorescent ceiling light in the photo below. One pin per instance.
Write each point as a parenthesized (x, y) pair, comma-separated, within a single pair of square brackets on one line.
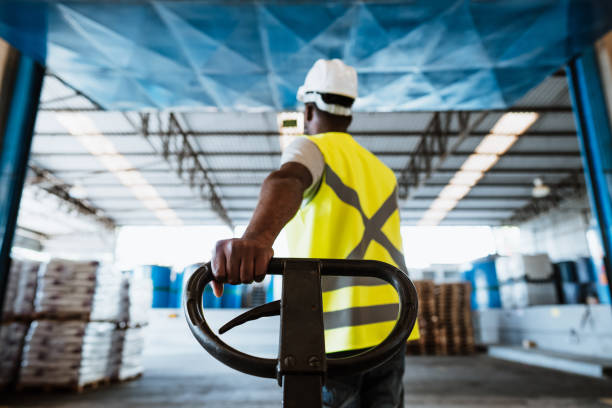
[(466, 178), (432, 217), (496, 144), (480, 162), (426, 222), (452, 192), (443, 204), (86, 132), (503, 135), (514, 123)]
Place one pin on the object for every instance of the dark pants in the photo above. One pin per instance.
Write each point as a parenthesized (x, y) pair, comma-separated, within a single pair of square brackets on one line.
[(378, 388)]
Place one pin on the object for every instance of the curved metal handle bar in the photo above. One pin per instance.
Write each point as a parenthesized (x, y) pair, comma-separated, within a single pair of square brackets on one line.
[(266, 367)]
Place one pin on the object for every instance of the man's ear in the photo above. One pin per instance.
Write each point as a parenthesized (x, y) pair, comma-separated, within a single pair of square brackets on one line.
[(308, 112)]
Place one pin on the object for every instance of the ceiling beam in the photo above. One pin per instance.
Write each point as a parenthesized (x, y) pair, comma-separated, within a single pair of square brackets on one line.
[(190, 199), (182, 158), (88, 184), (538, 109), (278, 154), (356, 133)]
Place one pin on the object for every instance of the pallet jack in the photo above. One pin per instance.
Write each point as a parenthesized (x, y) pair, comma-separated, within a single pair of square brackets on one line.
[(302, 366)]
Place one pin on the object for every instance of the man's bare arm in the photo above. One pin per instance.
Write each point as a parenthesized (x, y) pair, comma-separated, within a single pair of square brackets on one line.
[(242, 260)]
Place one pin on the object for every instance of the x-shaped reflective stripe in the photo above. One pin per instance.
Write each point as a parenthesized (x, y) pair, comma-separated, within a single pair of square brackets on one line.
[(372, 225)]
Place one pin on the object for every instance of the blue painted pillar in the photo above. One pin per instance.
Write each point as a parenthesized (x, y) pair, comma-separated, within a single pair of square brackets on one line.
[(20, 87), (593, 127)]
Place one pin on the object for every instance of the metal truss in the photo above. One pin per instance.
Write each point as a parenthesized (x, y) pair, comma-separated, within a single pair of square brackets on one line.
[(570, 187), (48, 182), (174, 144), (433, 148)]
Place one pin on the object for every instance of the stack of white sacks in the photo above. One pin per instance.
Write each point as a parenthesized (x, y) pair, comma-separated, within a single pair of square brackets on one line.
[(84, 290), (127, 349), (525, 280), (136, 297), (17, 311), (66, 353), (21, 289), (77, 308), (11, 340), (128, 341)]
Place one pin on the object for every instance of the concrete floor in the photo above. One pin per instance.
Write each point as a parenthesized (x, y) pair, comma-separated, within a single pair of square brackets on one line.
[(179, 373)]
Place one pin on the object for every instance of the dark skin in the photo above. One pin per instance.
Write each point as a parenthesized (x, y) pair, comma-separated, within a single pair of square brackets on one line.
[(245, 259)]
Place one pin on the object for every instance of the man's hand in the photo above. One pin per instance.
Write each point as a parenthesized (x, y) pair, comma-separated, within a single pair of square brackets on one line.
[(239, 260), (243, 260)]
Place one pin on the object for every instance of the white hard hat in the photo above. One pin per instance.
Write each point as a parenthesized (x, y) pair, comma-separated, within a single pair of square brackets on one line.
[(329, 77)]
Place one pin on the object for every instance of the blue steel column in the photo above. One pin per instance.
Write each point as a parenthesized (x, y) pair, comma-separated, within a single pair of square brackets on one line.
[(593, 127), (20, 106)]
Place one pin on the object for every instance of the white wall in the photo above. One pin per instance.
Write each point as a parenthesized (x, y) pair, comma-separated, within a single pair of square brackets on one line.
[(561, 233)]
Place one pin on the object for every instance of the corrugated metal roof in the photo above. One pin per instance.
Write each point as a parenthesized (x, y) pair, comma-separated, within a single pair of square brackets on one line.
[(239, 149)]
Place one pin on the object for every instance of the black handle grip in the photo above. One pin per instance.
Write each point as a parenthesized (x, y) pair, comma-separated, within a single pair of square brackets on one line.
[(266, 367)]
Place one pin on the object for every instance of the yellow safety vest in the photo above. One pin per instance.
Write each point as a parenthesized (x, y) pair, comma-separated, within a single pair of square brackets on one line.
[(352, 215)]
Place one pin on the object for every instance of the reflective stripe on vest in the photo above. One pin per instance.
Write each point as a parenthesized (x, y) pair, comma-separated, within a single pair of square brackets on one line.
[(353, 215)]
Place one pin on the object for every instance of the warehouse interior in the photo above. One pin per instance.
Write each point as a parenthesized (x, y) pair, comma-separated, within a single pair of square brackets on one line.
[(135, 136)]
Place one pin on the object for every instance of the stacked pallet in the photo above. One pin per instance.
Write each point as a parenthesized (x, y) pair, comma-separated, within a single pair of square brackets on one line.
[(66, 354), (126, 362), (445, 319), (12, 336), (16, 316), (69, 342), (427, 319), (20, 290), (128, 338), (77, 290)]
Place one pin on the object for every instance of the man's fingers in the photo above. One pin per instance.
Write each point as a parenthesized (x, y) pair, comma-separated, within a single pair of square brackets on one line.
[(247, 264), (218, 266), (261, 265), (217, 288), (233, 257)]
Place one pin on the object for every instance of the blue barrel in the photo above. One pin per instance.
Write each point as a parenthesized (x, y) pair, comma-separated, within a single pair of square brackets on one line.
[(160, 275), (270, 290), (585, 270), (566, 271), (176, 290), (485, 275), (232, 296), (486, 299), (570, 293), (603, 293)]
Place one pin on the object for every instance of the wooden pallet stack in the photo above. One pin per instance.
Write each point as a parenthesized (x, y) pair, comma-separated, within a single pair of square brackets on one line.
[(445, 320)]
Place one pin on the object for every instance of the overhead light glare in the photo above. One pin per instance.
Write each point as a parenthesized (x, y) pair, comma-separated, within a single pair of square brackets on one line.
[(514, 123), (452, 192), (480, 162), (466, 178), (496, 144), (86, 132), (443, 204)]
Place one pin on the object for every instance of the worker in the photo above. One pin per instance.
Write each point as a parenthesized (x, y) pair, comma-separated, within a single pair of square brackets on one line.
[(336, 200)]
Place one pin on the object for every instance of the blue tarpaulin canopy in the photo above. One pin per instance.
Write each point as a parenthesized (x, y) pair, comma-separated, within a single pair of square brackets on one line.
[(229, 55)]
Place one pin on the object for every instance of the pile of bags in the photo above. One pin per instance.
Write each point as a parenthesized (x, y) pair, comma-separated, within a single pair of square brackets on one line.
[(127, 353), (135, 298), (21, 289), (11, 338), (80, 290), (66, 353)]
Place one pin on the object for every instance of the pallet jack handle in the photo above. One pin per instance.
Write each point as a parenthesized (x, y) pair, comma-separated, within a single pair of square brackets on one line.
[(301, 352)]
